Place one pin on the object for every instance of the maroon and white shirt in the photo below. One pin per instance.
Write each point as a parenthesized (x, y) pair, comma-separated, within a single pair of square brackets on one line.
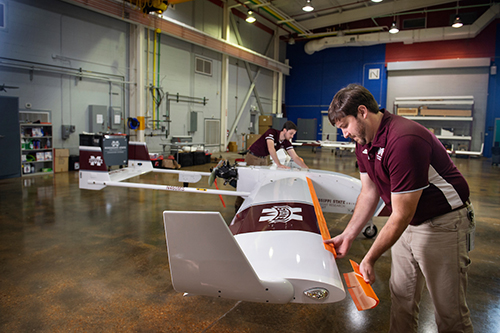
[(406, 157), (259, 147)]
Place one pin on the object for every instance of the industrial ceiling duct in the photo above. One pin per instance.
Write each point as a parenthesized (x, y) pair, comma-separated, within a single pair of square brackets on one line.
[(407, 36)]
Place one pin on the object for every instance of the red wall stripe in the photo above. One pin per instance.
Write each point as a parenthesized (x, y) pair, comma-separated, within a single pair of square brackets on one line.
[(483, 46)]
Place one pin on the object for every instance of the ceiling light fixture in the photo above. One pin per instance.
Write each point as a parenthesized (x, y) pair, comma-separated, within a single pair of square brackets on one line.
[(308, 7), (291, 41), (394, 29), (376, 0), (457, 23), (250, 18)]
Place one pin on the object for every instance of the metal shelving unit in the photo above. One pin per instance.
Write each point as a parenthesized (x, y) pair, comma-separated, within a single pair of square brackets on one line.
[(37, 153), (457, 113)]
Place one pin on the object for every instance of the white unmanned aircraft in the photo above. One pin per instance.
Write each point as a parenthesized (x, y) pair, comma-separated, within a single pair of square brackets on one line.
[(272, 251)]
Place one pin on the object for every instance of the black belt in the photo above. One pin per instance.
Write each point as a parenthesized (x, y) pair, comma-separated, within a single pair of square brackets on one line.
[(467, 203), (256, 155)]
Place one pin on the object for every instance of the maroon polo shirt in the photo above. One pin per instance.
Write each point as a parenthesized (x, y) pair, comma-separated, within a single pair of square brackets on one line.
[(405, 157), (259, 147)]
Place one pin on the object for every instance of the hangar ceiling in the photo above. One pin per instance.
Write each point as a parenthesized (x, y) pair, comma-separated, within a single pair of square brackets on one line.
[(354, 17)]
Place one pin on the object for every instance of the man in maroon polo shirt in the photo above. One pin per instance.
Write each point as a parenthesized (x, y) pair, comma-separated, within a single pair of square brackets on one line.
[(272, 141), (431, 222), (268, 144)]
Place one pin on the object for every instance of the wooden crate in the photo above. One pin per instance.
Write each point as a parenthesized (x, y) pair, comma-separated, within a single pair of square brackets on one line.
[(407, 111)]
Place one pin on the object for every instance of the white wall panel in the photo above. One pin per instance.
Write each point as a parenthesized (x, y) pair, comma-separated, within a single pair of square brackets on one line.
[(33, 33), (59, 34)]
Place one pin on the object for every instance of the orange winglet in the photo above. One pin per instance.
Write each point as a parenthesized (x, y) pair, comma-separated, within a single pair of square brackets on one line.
[(361, 292), (325, 234)]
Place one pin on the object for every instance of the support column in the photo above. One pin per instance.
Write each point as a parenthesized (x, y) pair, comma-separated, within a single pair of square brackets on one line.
[(224, 81), (279, 101), (277, 76), (137, 90)]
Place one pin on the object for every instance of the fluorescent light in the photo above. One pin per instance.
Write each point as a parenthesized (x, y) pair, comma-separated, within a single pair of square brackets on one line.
[(394, 29), (457, 23), (250, 18), (308, 7)]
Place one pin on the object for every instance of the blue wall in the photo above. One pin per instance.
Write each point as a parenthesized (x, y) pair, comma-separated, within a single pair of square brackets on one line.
[(493, 109), (314, 79)]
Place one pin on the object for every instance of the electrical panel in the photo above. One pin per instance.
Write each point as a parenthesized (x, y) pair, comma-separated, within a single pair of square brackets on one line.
[(66, 130), (193, 121), (307, 129), (115, 118), (98, 118)]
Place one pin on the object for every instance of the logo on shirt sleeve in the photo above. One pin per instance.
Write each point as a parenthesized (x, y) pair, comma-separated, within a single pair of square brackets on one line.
[(380, 153)]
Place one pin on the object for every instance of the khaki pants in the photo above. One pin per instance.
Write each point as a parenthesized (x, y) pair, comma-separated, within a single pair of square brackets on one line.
[(251, 160), (254, 160), (435, 253)]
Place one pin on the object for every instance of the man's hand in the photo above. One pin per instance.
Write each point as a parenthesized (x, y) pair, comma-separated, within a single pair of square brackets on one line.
[(341, 243), (367, 269), (281, 166)]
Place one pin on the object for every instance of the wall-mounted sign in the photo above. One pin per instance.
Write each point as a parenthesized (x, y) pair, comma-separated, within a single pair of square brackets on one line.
[(374, 74)]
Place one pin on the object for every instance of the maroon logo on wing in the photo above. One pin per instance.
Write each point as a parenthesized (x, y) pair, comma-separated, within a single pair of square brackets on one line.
[(280, 214), (276, 216)]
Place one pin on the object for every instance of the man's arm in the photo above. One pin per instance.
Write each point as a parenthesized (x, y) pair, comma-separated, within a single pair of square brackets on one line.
[(274, 156), (296, 158), (365, 208), (404, 206)]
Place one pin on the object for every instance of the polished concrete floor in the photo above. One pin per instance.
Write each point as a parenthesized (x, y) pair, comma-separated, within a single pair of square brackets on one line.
[(95, 261)]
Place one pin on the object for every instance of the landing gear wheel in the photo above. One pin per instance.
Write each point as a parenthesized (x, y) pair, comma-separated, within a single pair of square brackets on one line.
[(370, 231)]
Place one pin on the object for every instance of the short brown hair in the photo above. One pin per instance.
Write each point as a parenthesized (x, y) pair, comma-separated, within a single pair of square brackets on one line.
[(348, 99), (289, 125)]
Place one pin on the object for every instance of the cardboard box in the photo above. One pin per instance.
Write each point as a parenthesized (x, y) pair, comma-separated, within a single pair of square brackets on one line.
[(170, 164), (61, 160), (263, 129), (233, 147), (58, 152), (61, 164), (251, 138), (408, 111), (265, 121), (424, 111)]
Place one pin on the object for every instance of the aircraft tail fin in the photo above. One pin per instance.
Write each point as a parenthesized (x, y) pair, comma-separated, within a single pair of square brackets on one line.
[(205, 259)]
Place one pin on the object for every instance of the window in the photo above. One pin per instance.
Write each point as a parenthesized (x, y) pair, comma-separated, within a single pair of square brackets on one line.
[(3, 16), (212, 132), (203, 66)]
